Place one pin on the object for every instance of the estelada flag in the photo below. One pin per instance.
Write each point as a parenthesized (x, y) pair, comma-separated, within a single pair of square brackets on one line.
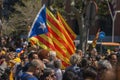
[(46, 32)]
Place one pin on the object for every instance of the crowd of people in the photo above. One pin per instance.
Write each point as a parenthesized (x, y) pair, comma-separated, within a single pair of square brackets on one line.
[(20, 61)]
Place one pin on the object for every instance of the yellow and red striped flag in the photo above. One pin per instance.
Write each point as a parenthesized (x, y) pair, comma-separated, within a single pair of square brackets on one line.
[(68, 33), (49, 33), (95, 39), (66, 26)]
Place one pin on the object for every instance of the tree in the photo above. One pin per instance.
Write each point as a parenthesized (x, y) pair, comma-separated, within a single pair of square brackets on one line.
[(22, 17)]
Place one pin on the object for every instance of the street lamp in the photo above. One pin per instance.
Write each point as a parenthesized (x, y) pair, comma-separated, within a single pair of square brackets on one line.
[(113, 26)]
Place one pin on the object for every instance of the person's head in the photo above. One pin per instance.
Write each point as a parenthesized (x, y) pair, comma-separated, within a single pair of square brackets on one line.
[(113, 58), (94, 52), (12, 55), (36, 67), (69, 75), (75, 59), (89, 74), (104, 65), (5, 49), (48, 74), (32, 55), (84, 63), (43, 54), (24, 58), (52, 55), (104, 69), (79, 52), (57, 63)]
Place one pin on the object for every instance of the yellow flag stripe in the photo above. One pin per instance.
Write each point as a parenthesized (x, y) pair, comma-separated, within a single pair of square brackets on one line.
[(67, 26)]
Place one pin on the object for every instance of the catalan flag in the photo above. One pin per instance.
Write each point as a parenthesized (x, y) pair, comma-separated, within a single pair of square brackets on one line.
[(95, 39), (67, 32), (49, 33)]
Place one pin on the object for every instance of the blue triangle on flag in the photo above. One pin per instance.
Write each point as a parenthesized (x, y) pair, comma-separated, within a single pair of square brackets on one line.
[(39, 24)]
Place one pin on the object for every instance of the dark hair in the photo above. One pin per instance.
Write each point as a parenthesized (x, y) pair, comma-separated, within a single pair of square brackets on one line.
[(84, 63), (23, 56), (57, 63), (30, 56), (46, 73), (69, 75), (90, 72), (110, 56), (98, 57)]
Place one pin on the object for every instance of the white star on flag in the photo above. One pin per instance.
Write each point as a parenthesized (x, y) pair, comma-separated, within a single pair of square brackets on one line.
[(42, 26)]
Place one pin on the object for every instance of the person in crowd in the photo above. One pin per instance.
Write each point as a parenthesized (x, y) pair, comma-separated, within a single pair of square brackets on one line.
[(52, 58), (25, 62), (12, 60), (113, 59), (84, 63), (3, 66), (48, 74), (4, 51), (32, 55), (35, 68), (74, 60), (58, 71), (105, 69), (70, 75), (18, 68), (3, 42), (116, 50), (89, 74), (23, 42), (79, 52), (43, 55), (93, 52)]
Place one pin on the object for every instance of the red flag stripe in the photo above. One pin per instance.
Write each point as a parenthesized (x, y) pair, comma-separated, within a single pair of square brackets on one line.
[(60, 40), (58, 26), (72, 37), (64, 24), (62, 52), (59, 49), (45, 42), (65, 64)]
